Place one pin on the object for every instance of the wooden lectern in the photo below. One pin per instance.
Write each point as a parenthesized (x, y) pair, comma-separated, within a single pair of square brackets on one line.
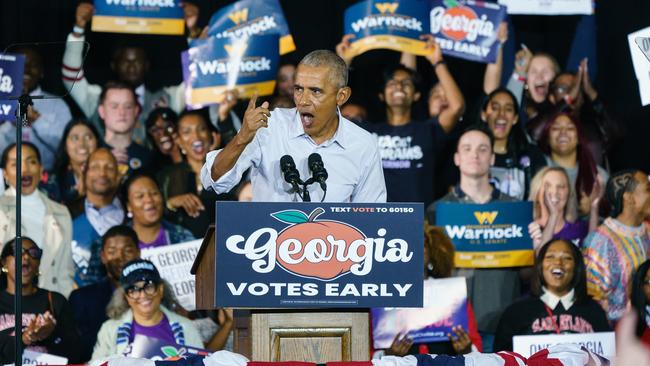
[(285, 335)]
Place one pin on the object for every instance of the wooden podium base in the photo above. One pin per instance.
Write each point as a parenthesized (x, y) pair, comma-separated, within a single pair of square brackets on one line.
[(304, 335)]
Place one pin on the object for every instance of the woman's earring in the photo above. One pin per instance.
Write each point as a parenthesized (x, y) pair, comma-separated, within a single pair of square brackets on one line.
[(129, 214), (430, 266), (5, 270)]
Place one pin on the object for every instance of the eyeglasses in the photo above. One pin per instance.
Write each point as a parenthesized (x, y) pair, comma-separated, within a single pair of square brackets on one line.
[(149, 288), (32, 252)]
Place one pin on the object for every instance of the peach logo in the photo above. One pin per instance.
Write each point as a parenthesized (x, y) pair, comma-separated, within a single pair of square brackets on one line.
[(460, 22), (306, 229), (319, 249)]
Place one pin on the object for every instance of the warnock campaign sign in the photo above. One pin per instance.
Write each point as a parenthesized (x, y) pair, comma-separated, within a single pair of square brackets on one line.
[(467, 29), (217, 64), (488, 235), (445, 306), (139, 16), (315, 255), (601, 343), (247, 18), (395, 25), (174, 263), (12, 67)]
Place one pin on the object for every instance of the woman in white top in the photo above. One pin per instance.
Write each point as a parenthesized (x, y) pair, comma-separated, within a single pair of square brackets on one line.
[(43, 220)]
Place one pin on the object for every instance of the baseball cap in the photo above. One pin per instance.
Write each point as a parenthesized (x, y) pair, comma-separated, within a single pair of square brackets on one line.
[(139, 270)]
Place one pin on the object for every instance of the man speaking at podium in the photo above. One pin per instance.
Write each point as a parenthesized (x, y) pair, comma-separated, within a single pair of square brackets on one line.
[(290, 149)]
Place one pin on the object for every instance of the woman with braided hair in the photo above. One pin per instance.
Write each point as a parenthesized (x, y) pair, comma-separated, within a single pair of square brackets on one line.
[(620, 244)]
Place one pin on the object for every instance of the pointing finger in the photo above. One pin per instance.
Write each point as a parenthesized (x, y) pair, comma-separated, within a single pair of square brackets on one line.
[(252, 102)]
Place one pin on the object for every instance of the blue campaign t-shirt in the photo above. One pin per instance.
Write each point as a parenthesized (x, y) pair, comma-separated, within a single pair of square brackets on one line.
[(408, 156)]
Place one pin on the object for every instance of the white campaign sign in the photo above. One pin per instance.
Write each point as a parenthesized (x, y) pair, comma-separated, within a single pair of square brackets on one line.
[(548, 7), (38, 358), (640, 62), (601, 343), (174, 263)]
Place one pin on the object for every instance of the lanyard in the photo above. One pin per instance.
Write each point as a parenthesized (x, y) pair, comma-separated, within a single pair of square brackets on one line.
[(550, 313)]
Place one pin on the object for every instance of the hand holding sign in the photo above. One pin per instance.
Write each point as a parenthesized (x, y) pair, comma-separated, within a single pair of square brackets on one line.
[(229, 102), (460, 340), (254, 119), (343, 47), (400, 346), (435, 56)]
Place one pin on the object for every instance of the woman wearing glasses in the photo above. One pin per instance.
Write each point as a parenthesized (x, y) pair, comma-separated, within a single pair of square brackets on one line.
[(140, 308), (47, 321)]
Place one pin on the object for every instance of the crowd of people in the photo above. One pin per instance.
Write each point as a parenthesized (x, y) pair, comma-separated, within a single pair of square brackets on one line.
[(138, 170)]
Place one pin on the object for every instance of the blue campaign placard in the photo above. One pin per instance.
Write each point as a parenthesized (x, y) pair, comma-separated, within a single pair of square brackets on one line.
[(319, 255), (467, 29), (394, 25), (247, 18), (445, 307), (214, 65), (12, 68), (488, 235), (139, 16)]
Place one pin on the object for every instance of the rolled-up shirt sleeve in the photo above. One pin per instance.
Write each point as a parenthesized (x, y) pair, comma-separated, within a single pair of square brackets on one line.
[(251, 156)]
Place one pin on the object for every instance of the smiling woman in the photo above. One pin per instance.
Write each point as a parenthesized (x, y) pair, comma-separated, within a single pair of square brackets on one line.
[(48, 325), (561, 304), (139, 307), (80, 139), (145, 206)]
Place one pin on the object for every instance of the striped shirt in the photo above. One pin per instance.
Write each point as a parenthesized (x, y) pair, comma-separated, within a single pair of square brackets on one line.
[(612, 253)]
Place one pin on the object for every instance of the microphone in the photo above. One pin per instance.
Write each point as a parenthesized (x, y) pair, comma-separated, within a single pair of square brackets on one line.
[(317, 168), (289, 171)]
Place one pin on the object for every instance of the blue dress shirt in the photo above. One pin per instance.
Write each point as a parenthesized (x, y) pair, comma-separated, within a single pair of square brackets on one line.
[(351, 158)]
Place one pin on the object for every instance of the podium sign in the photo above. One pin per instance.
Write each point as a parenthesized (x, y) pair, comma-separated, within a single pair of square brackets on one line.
[(319, 255)]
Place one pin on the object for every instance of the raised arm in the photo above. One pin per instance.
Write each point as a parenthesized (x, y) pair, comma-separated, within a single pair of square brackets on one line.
[(450, 116), (518, 78), (254, 119), (492, 77), (408, 60)]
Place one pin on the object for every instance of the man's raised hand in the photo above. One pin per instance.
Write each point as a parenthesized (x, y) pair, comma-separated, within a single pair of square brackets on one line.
[(254, 119)]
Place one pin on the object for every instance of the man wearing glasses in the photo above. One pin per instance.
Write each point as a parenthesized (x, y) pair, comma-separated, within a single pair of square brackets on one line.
[(620, 244), (408, 149)]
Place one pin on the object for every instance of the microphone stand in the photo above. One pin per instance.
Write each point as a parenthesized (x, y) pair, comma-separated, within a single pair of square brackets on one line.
[(24, 101)]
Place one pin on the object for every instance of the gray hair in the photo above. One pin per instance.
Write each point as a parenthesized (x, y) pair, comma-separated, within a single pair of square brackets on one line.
[(338, 67), (118, 304)]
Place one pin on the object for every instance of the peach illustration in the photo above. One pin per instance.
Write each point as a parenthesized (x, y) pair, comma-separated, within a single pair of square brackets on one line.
[(306, 228)]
